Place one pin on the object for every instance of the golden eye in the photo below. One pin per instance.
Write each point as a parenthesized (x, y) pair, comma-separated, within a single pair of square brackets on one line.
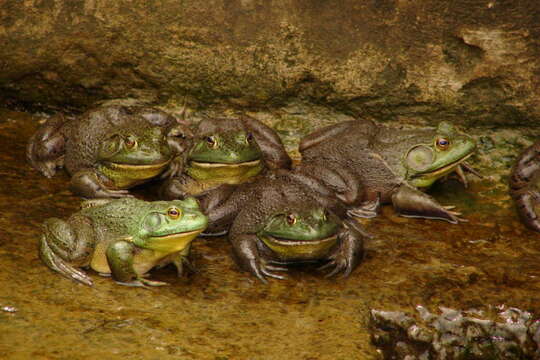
[(211, 141), (291, 219), (249, 138), (130, 142), (442, 143), (174, 213)]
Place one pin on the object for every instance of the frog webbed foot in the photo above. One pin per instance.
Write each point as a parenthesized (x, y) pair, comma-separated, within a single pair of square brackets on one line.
[(349, 252), (173, 189), (248, 257), (410, 202), (367, 209), (45, 150), (86, 183)]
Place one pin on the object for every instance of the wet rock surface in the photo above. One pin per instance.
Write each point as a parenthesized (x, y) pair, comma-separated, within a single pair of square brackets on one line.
[(469, 61), (501, 334), (222, 313)]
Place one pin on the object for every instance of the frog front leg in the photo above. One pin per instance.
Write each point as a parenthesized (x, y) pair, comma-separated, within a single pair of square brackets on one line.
[(89, 183), (120, 255), (46, 148), (64, 244), (349, 251), (182, 259), (180, 140), (248, 257), (410, 202), (272, 148)]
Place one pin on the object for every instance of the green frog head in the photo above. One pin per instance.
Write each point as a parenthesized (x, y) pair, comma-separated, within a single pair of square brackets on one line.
[(301, 232), (437, 155), (169, 226), (133, 155), (229, 156)]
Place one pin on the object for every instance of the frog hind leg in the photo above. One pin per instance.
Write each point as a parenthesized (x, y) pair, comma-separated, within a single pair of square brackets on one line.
[(88, 184), (269, 142), (46, 148), (59, 247), (120, 255), (410, 202), (320, 135)]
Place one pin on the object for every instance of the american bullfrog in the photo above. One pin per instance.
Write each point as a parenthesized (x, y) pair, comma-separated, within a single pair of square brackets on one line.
[(266, 237), (294, 218), (525, 186), (124, 237), (378, 164), (109, 149), (226, 151)]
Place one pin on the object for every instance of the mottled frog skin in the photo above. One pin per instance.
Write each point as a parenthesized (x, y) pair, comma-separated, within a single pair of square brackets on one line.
[(375, 164), (257, 215), (525, 186), (109, 149), (226, 151), (122, 237)]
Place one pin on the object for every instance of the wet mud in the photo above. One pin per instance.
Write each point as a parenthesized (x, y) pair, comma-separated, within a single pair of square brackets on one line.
[(222, 313)]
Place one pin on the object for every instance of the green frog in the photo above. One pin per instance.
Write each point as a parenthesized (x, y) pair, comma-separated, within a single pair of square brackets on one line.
[(124, 238), (376, 164), (226, 151), (110, 149)]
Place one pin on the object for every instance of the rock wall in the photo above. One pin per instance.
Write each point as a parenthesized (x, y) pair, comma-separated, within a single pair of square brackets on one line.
[(475, 62)]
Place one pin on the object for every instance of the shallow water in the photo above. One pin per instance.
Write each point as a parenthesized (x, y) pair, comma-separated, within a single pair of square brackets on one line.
[(222, 313)]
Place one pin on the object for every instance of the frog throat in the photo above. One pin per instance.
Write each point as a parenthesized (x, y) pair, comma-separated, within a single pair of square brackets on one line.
[(428, 178), (224, 173), (124, 176), (288, 249), (170, 243)]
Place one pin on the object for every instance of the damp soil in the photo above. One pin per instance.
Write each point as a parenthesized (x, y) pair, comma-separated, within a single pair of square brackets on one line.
[(221, 313)]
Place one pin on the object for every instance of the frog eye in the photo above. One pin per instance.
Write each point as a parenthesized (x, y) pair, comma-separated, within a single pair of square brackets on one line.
[(291, 219), (211, 141), (174, 213), (130, 142), (325, 215), (249, 138), (442, 143)]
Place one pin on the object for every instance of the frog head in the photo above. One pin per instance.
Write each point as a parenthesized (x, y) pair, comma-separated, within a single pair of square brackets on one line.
[(301, 232), (133, 155), (437, 155), (229, 156), (169, 226)]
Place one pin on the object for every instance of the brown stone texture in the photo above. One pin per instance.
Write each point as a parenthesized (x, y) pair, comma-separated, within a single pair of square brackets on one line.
[(469, 60)]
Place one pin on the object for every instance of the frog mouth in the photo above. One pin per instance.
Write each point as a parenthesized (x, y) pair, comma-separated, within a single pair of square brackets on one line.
[(293, 242), (445, 169), (137, 167), (172, 242), (209, 165), (289, 249)]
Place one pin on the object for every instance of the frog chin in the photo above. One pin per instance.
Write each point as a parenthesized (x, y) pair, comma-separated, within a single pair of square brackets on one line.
[(426, 179), (171, 243), (125, 176), (292, 249), (230, 173)]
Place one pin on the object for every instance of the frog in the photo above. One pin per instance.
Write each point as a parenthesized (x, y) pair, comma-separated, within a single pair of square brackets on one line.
[(253, 213), (267, 237), (525, 186), (124, 238), (226, 152), (376, 164), (110, 149)]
